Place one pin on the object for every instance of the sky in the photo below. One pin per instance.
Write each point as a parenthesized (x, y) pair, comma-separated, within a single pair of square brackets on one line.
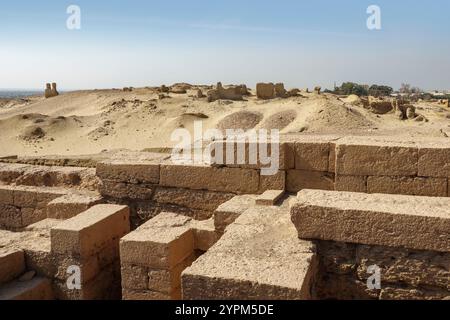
[(153, 42)]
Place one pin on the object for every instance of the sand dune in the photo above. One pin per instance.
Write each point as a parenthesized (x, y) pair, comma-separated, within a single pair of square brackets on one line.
[(87, 122)]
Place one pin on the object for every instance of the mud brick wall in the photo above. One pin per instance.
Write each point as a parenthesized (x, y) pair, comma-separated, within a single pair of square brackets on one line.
[(407, 237)]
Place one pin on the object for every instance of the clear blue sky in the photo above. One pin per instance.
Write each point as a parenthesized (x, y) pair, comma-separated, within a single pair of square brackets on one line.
[(301, 43)]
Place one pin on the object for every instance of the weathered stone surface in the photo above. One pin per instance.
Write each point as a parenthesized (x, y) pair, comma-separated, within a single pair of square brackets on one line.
[(312, 153), (265, 91), (10, 172), (10, 217), (432, 187), (269, 198), (12, 264), (6, 196), (228, 212), (234, 180), (123, 190), (342, 287), (134, 277), (70, 205), (205, 235), (143, 295), (421, 223), (247, 153), (161, 243), (434, 159), (361, 156), (127, 171), (351, 183), (195, 199), (169, 281), (399, 293), (260, 258), (34, 197), (35, 289), (297, 180), (415, 268), (91, 231), (272, 182), (31, 215)]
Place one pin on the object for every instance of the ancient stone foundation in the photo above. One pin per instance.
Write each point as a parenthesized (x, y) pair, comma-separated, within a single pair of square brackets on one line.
[(337, 210)]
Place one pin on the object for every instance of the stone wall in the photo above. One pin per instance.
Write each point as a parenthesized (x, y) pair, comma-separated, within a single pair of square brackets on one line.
[(406, 237)]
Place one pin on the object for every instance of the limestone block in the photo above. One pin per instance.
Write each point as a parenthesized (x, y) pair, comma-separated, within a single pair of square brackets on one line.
[(130, 172), (34, 289), (431, 187), (91, 231), (300, 179), (70, 205), (12, 264), (434, 159), (269, 198), (272, 182), (123, 190), (351, 183), (195, 199), (234, 180), (265, 91), (134, 277), (414, 222), (361, 156), (229, 211), (161, 243)]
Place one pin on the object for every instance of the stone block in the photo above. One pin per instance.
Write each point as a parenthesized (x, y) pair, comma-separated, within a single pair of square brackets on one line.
[(12, 264), (413, 222), (361, 156), (129, 171), (351, 183), (299, 179), (91, 231), (198, 177), (431, 187)]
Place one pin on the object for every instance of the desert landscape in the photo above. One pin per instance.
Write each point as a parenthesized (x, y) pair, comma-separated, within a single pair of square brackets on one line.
[(89, 122), (224, 159), (93, 206)]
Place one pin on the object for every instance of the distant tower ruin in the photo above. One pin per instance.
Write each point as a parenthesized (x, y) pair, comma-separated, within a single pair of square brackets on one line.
[(50, 90)]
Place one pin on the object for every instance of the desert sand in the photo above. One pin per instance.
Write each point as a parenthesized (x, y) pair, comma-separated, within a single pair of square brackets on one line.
[(90, 122)]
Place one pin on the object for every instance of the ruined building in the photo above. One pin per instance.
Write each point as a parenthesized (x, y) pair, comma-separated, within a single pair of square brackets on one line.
[(338, 210)]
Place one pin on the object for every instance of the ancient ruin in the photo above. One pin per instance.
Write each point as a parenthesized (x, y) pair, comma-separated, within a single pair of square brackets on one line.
[(230, 93), (50, 90), (138, 226)]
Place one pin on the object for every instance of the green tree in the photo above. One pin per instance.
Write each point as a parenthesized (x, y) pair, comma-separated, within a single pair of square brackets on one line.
[(348, 88)]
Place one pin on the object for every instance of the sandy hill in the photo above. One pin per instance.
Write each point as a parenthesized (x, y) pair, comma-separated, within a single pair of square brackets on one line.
[(87, 122)]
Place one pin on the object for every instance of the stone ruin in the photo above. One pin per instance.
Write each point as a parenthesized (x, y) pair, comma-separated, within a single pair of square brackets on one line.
[(402, 109), (444, 102), (50, 90), (140, 227), (267, 91), (230, 93)]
